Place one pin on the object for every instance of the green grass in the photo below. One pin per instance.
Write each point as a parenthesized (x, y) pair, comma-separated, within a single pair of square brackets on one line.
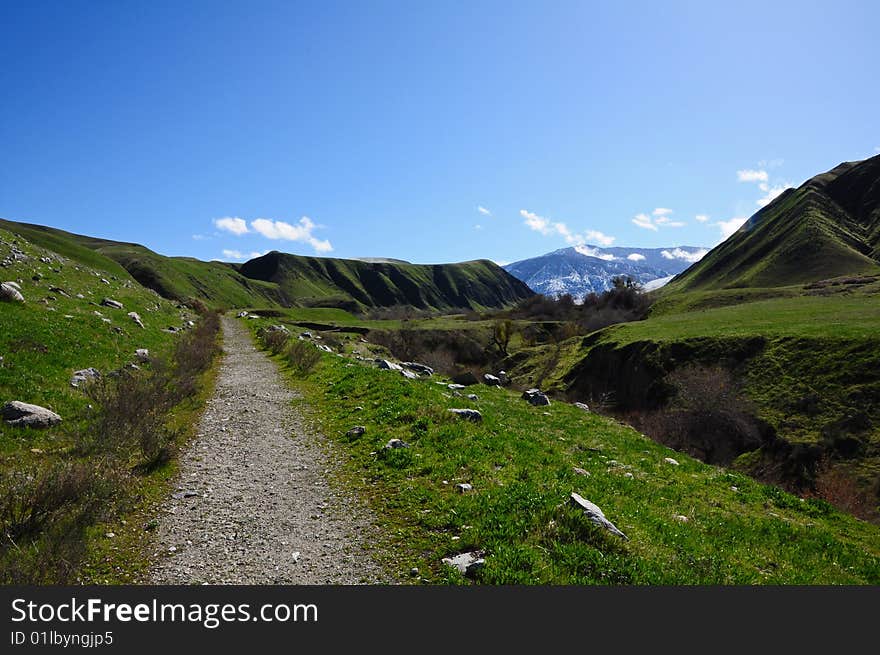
[(520, 461)]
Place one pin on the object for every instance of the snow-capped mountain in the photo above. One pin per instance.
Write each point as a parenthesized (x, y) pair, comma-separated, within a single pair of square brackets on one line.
[(581, 270)]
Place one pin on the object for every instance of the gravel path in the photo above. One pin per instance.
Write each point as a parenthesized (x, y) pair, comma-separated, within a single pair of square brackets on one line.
[(253, 505)]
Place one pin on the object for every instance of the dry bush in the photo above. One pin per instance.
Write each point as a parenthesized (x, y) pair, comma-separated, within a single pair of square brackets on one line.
[(302, 356), (708, 417), (274, 340), (835, 486), (43, 517), (193, 355)]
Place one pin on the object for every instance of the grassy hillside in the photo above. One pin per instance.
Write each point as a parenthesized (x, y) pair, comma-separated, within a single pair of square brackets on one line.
[(354, 284), (279, 279), (57, 485), (826, 228), (179, 278), (687, 524)]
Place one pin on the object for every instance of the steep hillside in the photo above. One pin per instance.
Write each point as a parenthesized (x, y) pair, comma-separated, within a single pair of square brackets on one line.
[(279, 279), (357, 284), (581, 270), (828, 227)]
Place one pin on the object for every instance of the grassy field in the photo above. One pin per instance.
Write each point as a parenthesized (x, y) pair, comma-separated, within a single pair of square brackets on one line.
[(687, 524)]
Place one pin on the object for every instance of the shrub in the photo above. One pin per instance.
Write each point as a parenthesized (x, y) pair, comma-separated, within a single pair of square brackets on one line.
[(275, 340), (302, 356)]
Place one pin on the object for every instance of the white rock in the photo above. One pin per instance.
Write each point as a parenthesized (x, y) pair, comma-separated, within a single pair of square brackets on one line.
[(595, 514), (22, 414), (669, 460)]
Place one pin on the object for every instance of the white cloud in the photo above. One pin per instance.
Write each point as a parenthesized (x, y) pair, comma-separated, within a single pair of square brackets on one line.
[(546, 226), (199, 237), (749, 175), (661, 211), (684, 255), (535, 222), (478, 227), (701, 218), (236, 225), (301, 232), (771, 163), (635, 257), (729, 227), (234, 255), (483, 210), (644, 221), (771, 193)]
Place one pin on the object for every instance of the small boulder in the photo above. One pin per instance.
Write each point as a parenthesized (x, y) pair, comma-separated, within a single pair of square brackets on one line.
[(464, 487), (14, 285), (467, 563), (595, 514), (324, 348), (473, 396), (422, 369), (395, 443), (580, 471), (491, 380), (669, 460), (454, 387), (134, 316), (468, 414), (9, 293), (109, 302), (356, 431), (21, 414), (142, 354), (388, 366), (409, 375), (505, 380), (535, 397), (84, 375), (242, 314), (582, 406)]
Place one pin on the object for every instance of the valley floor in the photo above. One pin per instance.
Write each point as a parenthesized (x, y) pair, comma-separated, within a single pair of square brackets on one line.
[(253, 505)]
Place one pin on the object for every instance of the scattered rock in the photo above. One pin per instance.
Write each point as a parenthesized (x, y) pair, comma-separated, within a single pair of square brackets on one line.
[(466, 378), (581, 471), (110, 535), (21, 414), (324, 348), (681, 518), (595, 514), (395, 443), (468, 414), (9, 293), (109, 302), (242, 314), (463, 487), (59, 291), (134, 316), (669, 460), (142, 354), (473, 396), (186, 493), (583, 406), (409, 375), (467, 563), (389, 366), (455, 387), (356, 431), (84, 375), (306, 335), (491, 380), (502, 375), (535, 397), (14, 285), (423, 369)]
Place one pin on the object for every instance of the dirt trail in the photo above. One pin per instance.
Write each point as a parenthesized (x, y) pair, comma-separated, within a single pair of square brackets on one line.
[(263, 513)]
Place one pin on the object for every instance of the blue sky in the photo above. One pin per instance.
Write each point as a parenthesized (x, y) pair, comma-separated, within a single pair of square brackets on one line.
[(429, 132)]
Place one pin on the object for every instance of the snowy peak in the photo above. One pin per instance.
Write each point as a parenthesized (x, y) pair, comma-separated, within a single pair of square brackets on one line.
[(585, 269)]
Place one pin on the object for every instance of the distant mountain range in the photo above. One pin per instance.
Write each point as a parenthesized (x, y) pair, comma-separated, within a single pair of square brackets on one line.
[(828, 227), (581, 270)]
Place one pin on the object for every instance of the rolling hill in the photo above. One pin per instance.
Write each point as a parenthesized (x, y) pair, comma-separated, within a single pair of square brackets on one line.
[(279, 279), (826, 228)]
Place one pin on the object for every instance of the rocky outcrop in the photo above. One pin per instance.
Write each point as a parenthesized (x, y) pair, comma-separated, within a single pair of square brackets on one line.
[(9, 293), (536, 397)]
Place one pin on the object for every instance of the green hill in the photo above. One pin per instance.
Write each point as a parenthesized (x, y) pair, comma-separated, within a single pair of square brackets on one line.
[(356, 284), (826, 228), (279, 279)]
